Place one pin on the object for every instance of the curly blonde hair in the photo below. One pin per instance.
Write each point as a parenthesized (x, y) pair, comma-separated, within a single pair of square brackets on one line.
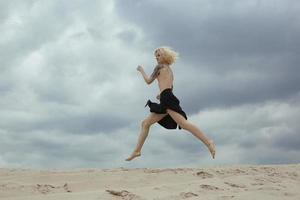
[(168, 55)]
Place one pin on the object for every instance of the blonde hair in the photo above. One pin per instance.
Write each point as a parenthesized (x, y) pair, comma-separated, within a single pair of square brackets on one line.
[(168, 55)]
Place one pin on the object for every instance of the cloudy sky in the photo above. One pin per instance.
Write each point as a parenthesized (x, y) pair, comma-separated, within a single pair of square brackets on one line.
[(71, 96)]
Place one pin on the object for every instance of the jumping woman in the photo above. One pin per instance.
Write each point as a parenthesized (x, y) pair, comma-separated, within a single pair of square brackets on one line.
[(168, 112)]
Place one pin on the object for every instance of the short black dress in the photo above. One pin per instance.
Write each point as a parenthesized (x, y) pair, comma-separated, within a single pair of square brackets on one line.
[(167, 101)]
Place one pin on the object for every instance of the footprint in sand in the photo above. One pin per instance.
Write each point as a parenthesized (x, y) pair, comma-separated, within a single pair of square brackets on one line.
[(66, 187), (47, 188), (227, 197), (235, 185), (289, 194), (268, 170), (124, 194), (204, 174), (44, 189), (239, 171), (267, 180), (269, 188), (292, 175), (220, 172), (186, 195), (209, 187), (255, 184)]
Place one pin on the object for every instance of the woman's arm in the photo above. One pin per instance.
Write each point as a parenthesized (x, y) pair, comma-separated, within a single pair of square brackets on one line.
[(147, 79)]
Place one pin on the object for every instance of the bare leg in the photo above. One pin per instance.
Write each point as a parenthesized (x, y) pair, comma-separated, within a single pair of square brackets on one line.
[(183, 123), (145, 126)]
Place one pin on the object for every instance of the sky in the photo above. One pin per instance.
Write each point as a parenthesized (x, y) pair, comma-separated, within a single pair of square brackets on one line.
[(71, 96)]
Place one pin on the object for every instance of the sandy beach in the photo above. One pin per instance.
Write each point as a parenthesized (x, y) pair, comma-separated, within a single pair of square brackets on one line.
[(224, 182)]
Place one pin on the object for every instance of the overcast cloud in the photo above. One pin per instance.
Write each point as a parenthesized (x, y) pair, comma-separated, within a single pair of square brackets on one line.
[(71, 96)]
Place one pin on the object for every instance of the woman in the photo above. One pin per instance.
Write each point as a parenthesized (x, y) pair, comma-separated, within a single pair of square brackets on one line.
[(168, 113)]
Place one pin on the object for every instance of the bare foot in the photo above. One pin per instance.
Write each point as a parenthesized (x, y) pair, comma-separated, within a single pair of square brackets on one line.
[(133, 155), (212, 148)]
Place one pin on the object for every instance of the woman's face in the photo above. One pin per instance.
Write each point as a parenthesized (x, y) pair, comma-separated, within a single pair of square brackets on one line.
[(158, 55)]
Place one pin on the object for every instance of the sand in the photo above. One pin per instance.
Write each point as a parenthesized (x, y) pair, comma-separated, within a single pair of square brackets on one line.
[(222, 182)]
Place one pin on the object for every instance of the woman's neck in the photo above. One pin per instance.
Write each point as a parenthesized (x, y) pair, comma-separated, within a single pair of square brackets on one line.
[(165, 64)]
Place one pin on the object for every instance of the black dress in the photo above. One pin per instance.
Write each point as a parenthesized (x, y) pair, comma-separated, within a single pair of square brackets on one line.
[(167, 101), (170, 101)]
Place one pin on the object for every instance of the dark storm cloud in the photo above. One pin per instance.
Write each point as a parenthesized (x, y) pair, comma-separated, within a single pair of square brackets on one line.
[(206, 29), (218, 38)]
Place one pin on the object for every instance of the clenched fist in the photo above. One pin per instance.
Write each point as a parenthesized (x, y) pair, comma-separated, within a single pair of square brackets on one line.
[(139, 68)]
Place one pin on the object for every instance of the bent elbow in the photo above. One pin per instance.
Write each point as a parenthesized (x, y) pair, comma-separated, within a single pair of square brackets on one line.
[(148, 81)]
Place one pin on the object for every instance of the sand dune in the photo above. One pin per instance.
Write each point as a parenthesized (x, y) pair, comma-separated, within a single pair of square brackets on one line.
[(231, 182)]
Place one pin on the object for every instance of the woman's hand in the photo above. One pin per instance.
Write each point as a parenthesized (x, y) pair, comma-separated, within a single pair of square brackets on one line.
[(139, 68), (146, 78)]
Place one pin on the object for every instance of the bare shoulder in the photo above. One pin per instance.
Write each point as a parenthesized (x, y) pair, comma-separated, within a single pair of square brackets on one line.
[(160, 66), (156, 71)]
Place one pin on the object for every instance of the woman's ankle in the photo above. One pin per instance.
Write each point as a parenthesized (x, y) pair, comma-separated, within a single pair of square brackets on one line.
[(137, 151)]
